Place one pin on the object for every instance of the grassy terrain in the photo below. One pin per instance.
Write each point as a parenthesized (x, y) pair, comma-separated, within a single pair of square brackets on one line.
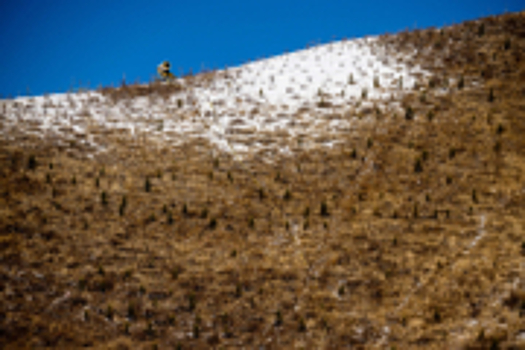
[(409, 234)]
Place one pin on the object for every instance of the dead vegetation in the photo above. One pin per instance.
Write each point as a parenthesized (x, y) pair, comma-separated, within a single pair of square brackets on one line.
[(410, 234)]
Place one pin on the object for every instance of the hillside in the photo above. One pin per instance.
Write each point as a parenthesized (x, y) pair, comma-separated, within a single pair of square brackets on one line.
[(365, 192)]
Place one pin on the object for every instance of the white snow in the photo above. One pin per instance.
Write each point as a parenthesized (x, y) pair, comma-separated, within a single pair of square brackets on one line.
[(269, 105)]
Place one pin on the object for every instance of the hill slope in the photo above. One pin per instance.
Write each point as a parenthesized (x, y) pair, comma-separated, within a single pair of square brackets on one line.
[(298, 211)]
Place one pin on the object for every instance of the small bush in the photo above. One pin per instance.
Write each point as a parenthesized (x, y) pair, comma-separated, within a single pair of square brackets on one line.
[(306, 212), (506, 44), (104, 198), (287, 195), (409, 113), (122, 207), (461, 83), (192, 302), (491, 95), (481, 29), (213, 224), (278, 319), (324, 209), (351, 79), (418, 167), (31, 163), (147, 185), (364, 93), (376, 82)]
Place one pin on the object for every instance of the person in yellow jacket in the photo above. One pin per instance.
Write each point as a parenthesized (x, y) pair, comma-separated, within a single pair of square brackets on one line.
[(164, 71)]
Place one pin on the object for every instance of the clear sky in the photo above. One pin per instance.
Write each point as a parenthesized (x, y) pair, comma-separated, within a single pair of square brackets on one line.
[(52, 46)]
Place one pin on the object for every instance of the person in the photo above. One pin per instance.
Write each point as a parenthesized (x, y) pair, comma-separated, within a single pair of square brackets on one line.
[(164, 71)]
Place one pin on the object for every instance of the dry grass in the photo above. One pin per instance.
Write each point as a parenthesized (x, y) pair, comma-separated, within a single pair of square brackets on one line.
[(410, 234)]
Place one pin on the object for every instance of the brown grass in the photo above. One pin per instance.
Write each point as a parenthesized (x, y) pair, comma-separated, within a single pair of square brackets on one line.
[(204, 260)]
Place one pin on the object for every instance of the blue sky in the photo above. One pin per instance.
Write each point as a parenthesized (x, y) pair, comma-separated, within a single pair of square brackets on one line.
[(52, 46)]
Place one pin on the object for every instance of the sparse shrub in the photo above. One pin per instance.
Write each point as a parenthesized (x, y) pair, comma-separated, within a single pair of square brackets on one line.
[(216, 163), (50, 166), (369, 143), (451, 153), (491, 95), (204, 213), (416, 212), (461, 83), (481, 29), (192, 302), (278, 319), (306, 212), (196, 330), (424, 155), (418, 167), (74, 180), (497, 147), (251, 223), (97, 182), (179, 103), (409, 113), (233, 253), (302, 325), (261, 194), (306, 225), (230, 177), (449, 180), (213, 224), (430, 115), (351, 79), (437, 316), (287, 226), (147, 185), (474, 196), (341, 290), (152, 218), (506, 44), (376, 82), (109, 312), (31, 163), (500, 129), (48, 178), (287, 195), (170, 219), (324, 209), (364, 93), (104, 198), (175, 272), (354, 154), (122, 207), (323, 103)]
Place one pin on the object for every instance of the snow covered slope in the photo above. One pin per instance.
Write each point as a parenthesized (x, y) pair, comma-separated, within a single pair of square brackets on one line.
[(311, 97)]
